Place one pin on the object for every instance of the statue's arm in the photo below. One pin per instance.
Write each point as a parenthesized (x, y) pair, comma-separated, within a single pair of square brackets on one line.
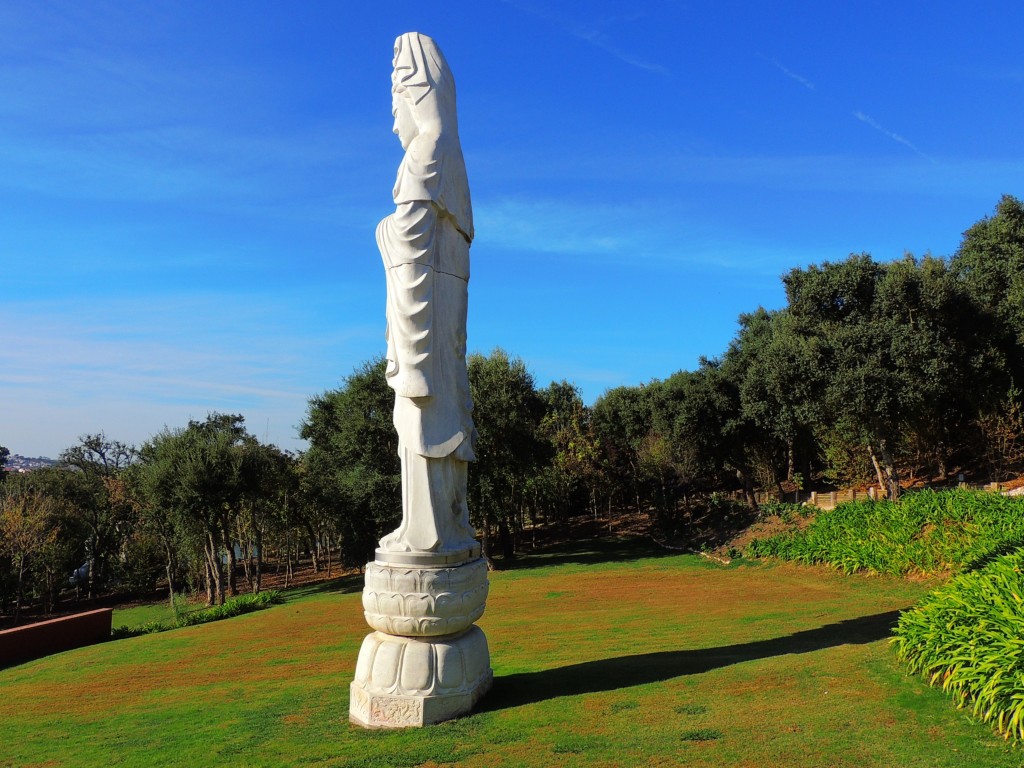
[(409, 233), (406, 242)]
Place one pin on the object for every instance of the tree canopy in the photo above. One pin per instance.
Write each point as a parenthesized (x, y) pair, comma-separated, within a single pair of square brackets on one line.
[(873, 372)]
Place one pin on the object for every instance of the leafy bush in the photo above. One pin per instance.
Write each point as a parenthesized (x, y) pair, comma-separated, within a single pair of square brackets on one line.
[(235, 606), (786, 511), (926, 532), (141, 563), (148, 628), (968, 637)]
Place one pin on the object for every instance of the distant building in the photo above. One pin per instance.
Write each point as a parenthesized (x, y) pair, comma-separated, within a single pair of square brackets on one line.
[(21, 464)]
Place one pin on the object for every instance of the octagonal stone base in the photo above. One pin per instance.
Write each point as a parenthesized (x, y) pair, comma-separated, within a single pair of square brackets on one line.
[(403, 682)]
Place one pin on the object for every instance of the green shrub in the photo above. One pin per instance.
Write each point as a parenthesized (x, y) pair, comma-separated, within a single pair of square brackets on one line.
[(786, 511), (234, 606), (968, 637), (925, 532), (142, 629)]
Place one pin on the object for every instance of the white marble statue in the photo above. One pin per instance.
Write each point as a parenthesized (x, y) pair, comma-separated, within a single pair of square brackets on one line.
[(426, 660), (425, 248)]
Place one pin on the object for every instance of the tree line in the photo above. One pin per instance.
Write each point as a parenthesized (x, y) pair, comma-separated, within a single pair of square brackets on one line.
[(873, 372)]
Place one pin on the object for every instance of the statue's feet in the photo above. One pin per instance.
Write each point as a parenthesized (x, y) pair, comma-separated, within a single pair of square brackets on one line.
[(393, 543), (406, 541)]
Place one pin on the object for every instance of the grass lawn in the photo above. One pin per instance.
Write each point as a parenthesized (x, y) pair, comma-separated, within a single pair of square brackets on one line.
[(137, 615), (598, 661)]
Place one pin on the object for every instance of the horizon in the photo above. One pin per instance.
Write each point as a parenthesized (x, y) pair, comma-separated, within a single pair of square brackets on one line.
[(189, 191)]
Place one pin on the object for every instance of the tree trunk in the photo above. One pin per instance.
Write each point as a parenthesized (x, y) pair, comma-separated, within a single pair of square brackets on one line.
[(216, 574), (891, 475), (170, 573), (259, 562), (232, 567), (247, 564), (208, 571), (879, 474), (507, 542), (245, 543), (17, 599), (485, 539), (92, 569), (288, 566), (885, 468), (50, 598), (748, 488)]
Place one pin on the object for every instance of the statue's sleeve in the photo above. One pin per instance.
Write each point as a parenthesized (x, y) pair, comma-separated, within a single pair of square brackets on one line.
[(434, 170), (406, 242)]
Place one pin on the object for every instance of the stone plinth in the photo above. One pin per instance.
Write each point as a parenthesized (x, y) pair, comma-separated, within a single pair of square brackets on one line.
[(427, 661), (411, 681)]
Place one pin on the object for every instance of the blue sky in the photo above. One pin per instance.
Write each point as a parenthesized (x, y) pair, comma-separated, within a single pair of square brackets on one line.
[(189, 190)]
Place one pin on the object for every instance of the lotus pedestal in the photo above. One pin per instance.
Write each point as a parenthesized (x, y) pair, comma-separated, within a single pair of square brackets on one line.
[(426, 661)]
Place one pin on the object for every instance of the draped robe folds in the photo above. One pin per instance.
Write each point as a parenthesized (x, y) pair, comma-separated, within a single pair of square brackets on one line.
[(425, 249)]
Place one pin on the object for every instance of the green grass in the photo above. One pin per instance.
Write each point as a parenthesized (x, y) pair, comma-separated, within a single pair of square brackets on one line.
[(651, 660), (700, 734), (139, 615), (968, 636)]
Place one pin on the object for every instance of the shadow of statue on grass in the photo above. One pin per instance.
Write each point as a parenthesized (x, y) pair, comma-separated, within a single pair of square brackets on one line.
[(340, 585), (627, 671), (605, 549)]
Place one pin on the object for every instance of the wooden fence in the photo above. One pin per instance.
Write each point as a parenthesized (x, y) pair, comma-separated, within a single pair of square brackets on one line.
[(829, 499)]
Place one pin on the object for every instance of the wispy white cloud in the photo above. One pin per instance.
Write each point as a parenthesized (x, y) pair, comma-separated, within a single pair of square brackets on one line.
[(91, 112), (678, 175), (589, 32), (790, 73), (648, 232), (178, 162), (131, 366), (867, 120), (603, 41), (548, 226), (864, 118), (976, 70)]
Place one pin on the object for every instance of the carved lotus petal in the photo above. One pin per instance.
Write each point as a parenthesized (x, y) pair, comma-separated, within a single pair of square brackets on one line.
[(386, 663), (417, 667), (447, 604), (405, 581), (418, 605)]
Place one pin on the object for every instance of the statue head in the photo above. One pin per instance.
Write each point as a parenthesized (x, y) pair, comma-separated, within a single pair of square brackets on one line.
[(423, 89)]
